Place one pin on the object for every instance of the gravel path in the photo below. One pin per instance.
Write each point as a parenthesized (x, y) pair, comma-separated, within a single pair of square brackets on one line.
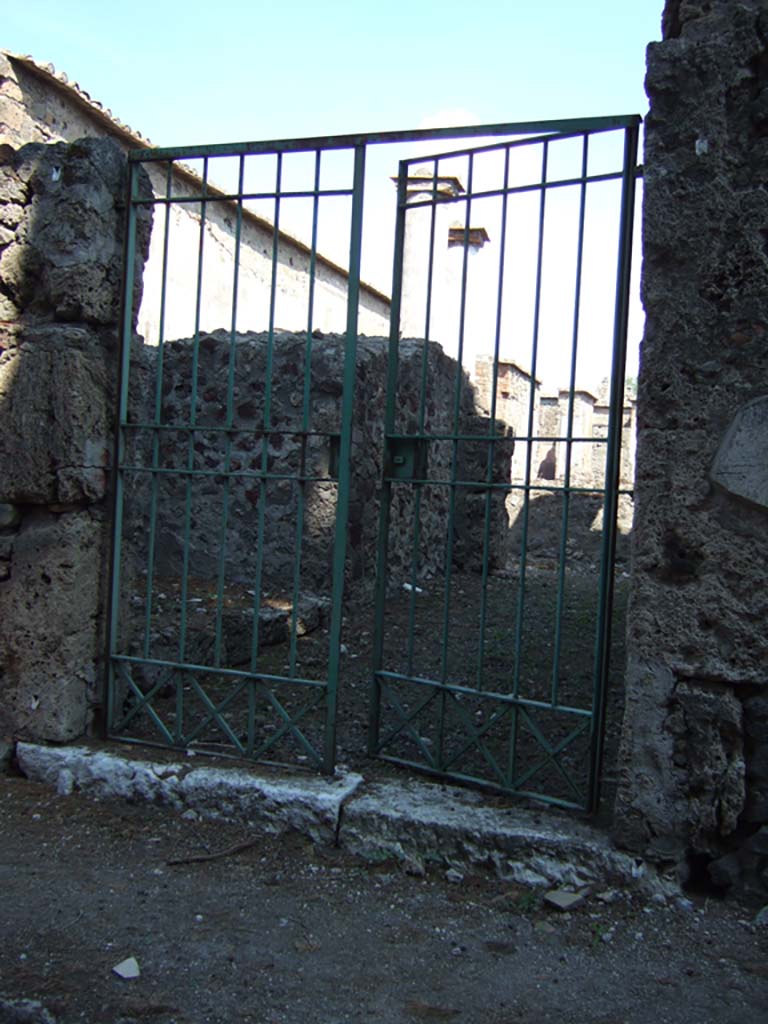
[(280, 932)]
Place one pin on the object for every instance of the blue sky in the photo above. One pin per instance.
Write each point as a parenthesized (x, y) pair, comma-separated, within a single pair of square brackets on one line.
[(227, 71), (185, 74)]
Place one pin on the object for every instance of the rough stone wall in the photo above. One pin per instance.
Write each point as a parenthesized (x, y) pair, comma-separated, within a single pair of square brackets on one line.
[(60, 271), (278, 519), (695, 746)]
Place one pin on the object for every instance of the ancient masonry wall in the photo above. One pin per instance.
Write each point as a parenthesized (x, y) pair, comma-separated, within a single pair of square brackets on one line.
[(238, 455), (60, 273), (694, 787)]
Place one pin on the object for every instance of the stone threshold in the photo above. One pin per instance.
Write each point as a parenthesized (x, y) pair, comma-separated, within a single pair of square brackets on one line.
[(416, 823)]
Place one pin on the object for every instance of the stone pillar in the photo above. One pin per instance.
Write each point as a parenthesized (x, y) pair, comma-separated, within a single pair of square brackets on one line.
[(61, 217), (694, 764)]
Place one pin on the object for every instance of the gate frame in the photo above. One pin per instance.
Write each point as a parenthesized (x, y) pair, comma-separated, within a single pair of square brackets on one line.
[(358, 143), (630, 171)]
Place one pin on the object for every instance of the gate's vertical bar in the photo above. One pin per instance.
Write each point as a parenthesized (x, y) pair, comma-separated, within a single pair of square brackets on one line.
[(301, 483), (266, 419), (528, 456), (380, 594), (566, 507), (492, 425), (457, 396), (613, 461), (342, 499), (191, 426), (418, 486), (152, 541), (118, 486), (221, 568)]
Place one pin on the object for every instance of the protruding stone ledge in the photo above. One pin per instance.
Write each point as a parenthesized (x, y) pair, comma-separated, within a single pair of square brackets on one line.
[(418, 823), (415, 823), (265, 804)]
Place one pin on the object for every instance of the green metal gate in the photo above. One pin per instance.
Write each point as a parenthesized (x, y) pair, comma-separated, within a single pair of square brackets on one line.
[(233, 475), (500, 678)]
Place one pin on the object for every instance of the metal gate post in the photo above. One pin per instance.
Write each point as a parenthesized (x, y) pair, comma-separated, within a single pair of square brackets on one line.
[(126, 335), (342, 501), (613, 460)]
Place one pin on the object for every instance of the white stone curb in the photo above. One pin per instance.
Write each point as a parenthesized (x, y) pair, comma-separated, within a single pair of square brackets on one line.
[(265, 805), (420, 823), (417, 823)]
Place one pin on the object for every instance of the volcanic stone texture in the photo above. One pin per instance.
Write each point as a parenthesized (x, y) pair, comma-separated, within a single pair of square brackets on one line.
[(694, 754), (228, 510), (61, 225)]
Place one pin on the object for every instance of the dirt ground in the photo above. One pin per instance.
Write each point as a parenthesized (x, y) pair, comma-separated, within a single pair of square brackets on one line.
[(281, 932)]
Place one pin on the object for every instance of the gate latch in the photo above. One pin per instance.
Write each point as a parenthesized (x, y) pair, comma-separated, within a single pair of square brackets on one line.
[(405, 458)]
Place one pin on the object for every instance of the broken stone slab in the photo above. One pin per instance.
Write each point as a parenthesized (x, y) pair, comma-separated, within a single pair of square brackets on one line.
[(415, 821), (565, 899), (275, 625), (128, 968), (740, 466), (264, 804)]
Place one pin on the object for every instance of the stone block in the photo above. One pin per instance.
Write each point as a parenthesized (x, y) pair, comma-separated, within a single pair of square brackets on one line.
[(50, 607), (758, 843), (56, 416), (711, 727), (682, 765), (268, 805), (416, 823), (66, 260), (642, 819)]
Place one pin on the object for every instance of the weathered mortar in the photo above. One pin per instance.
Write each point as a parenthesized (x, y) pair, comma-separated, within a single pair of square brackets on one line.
[(695, 761), (61, 222)]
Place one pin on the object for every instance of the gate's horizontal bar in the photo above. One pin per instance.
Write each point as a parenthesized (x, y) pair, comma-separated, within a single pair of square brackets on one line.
[(498, 438), (468, 691), (441, 200), (484, 783), (233, 197), (252, 677), (209, 748), (483, 485), (559, 127), (510, 144), (256, 432), (229, 474)]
